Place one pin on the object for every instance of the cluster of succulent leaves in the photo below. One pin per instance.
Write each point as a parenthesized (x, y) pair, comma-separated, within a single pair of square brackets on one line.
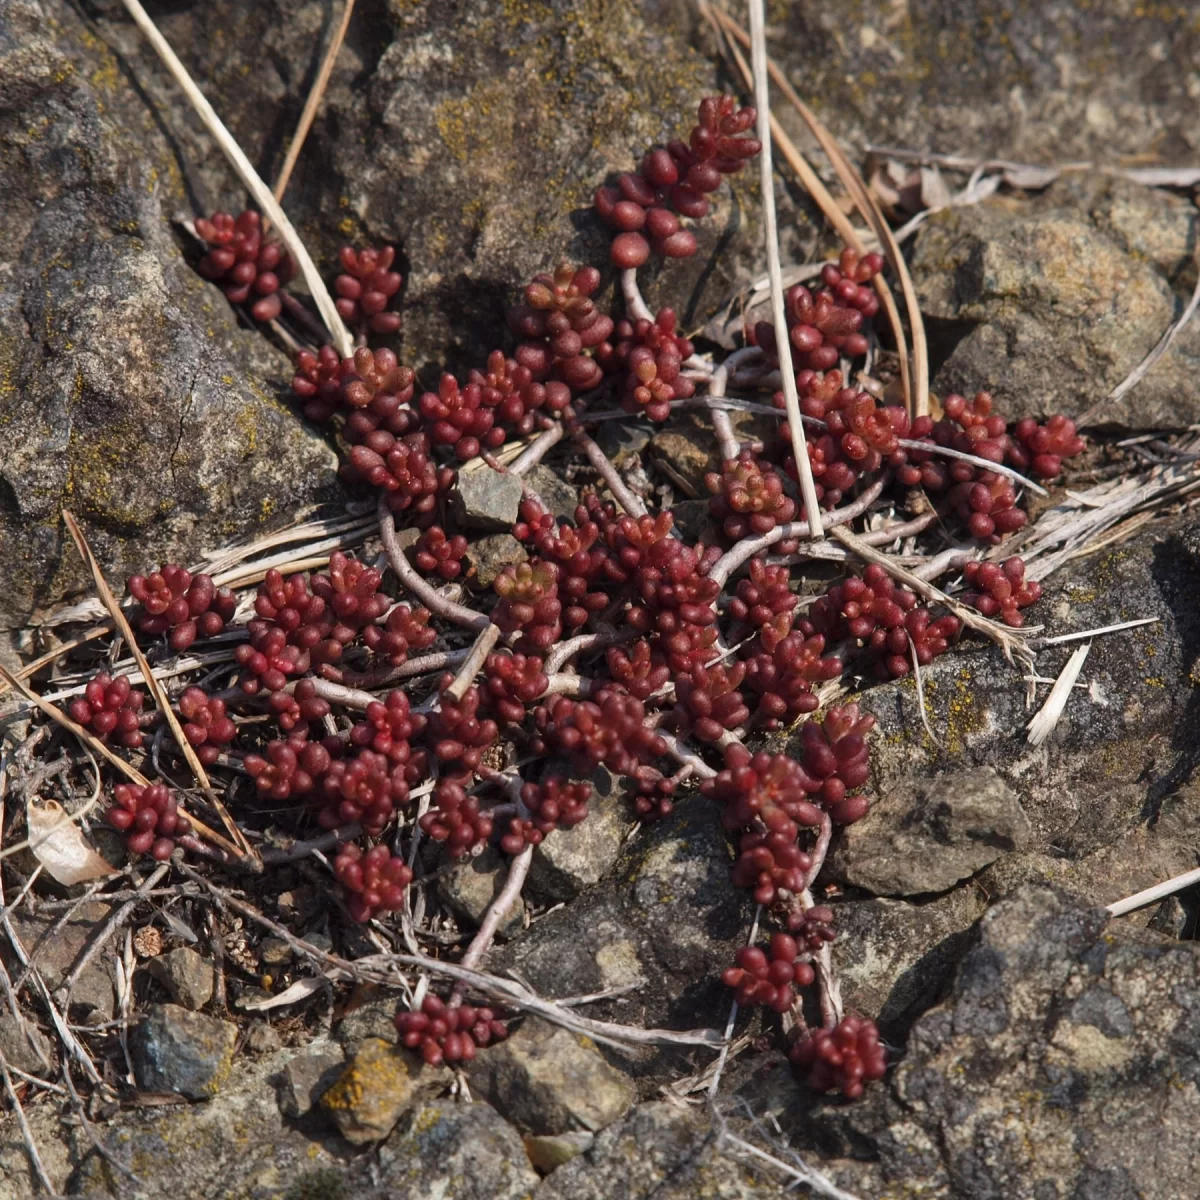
[(669, 659)]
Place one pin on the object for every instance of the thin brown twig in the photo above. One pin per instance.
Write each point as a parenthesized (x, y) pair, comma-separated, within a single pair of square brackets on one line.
[(484, 644), (315, 95), (156, 689)]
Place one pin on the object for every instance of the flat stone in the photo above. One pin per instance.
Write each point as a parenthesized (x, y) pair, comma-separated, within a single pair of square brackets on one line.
[(274, 952), (548, 1080), (373, 1019), (458, 1151), (622, 440), (469, 887), (663, 1152), (374, 1090), (487, 499), (308, 1076), (549, 1150), (560, 497), (23, 1045), (56, 956), (491, 554), (186, 975), (569, 860), (175, 1050), (688, 446), (928, 835)]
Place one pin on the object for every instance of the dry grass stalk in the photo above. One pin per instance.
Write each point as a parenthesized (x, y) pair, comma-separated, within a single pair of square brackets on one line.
[(158, 691), (911, 378), (315, 95), (98, 748), (339, 334)]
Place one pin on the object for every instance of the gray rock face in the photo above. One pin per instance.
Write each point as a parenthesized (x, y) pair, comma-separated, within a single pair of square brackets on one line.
[(187, 976), (954, 74), (308, 1076), (488, 556), (465, 1147), (23, 1045), (927, 836), (487, 499), (1056, 302), (548, 1080), (1045, 1072), (658, 1151), (57, 955), (175, 1050), (127, 392), (470, 887)]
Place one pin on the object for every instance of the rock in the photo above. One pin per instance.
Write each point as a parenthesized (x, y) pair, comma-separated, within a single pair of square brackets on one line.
[(560, 497), (1043, 1074), (488, 556), (262, 1039), (622, 441), (1064, 336), (187, 976), (467, 1151), (569, 860), (379, 1084), (658, 1151), (1104, 770), (175, 1050), (547, 1080), (487, 499), (909, 78), (470, 886), (374, 1018), (1174, 918), (551, 1150), (895, 960), (687, 445), (56, 956), (23, 1045), (308, 1076), (670, 920), (113, 352), (274, 952), (930, 834)]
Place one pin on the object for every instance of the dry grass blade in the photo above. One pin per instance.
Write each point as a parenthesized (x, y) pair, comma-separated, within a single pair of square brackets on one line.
[(811, 182), (35, 1158), (860, 194), (812, 507), (1158, 892), (1011, 643), (98, 748), (1143, 368), (339, 334), (31, 669), (313, 102), (1048, 716), (156, 689)]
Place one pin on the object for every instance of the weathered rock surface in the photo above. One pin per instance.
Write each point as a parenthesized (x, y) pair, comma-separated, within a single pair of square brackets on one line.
[(930, 834), (114, 354), (1064, 1063), (1050, 305), (658, 1151), (379, 1084), (1037, 83), (56, 955), (460, 1150), (187, 976), (547, 1080), (470, 886), (308, 1076), (175, 1050)]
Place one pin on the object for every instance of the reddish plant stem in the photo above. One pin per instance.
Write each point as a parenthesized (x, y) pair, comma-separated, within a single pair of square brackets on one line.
[(565, 651), (336, 693), (425, 665), (299, 850), (726, 438), (448, 610), (688, 758), (747, 548), (629, 502), (636, 308), (537, 449)]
